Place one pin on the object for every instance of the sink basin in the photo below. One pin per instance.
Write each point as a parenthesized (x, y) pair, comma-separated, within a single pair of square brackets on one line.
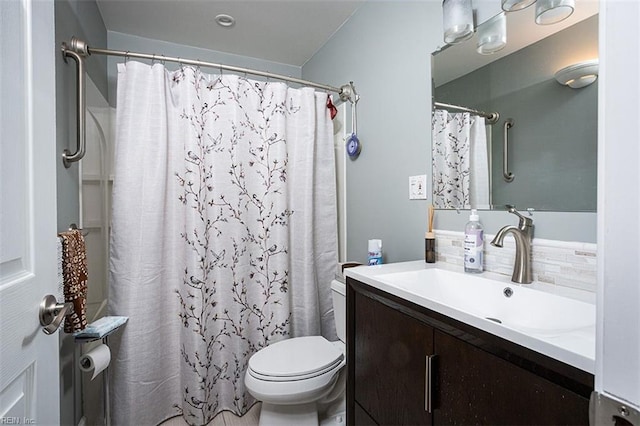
[(532, 311), (556, 321)]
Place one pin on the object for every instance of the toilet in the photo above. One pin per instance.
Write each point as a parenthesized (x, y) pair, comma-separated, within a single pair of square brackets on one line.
[(297, 378)]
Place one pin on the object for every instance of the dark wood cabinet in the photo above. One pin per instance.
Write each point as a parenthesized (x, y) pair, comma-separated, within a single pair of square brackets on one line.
[(475, 387), (474, 378), (391, 348)]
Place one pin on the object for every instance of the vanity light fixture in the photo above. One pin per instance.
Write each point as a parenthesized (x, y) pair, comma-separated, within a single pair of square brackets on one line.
[(578, 75), (225, 20), (553, 11), (513, 5), (457, 20), (492, 35)]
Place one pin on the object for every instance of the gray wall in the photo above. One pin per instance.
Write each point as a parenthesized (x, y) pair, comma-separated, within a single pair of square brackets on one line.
[(80, 18), (126, 42), (385, 49), (553, 143)]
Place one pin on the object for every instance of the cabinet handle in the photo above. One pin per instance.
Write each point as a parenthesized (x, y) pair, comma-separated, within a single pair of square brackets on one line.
[(428, 385)]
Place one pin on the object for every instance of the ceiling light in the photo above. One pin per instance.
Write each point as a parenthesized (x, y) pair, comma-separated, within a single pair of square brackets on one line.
[(513, 5), (458, 20), (578, 75), (553, 11), (225, 20)]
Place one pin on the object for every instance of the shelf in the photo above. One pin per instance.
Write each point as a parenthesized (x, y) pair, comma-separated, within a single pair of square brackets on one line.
[(100, 329)]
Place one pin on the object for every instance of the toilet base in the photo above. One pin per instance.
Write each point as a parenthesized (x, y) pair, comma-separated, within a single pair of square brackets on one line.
[(285, 415), (339, 419)]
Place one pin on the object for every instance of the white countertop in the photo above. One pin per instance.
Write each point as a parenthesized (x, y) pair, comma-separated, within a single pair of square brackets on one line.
[(572, 345)]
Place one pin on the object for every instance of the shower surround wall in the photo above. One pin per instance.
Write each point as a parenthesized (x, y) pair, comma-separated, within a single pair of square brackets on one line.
[(95, 222)]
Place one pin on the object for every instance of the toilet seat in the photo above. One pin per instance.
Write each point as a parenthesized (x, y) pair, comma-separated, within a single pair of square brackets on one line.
[(296, 359), (299, 386)]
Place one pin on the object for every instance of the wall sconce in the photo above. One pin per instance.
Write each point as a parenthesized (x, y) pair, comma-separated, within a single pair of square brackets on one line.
[(578, 75), (553, 11), (492, 35), (458, 20)]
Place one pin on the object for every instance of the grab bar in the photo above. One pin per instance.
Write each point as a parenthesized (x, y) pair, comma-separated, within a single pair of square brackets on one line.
[(506, 174), (67, 156)]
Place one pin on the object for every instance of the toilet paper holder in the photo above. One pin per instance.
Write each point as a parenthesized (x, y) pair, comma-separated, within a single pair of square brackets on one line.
[(102, 334)]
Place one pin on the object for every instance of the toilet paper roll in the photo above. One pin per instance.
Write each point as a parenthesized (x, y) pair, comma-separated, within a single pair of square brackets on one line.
[(96, 360)]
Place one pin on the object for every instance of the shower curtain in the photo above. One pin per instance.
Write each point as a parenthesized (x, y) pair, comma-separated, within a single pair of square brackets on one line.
[(460, 161), (224, 235)]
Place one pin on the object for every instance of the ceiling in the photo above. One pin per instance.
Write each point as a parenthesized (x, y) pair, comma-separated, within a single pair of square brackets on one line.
[(284, 31)]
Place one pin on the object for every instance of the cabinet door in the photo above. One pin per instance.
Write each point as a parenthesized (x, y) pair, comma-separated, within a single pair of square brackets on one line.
[(390, 363), (476, 387)]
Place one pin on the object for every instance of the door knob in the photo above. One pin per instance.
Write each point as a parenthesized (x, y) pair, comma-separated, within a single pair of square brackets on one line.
[(52, 313)]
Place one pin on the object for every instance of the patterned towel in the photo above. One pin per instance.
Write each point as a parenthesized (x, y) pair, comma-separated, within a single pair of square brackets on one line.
[(74, 269), (60, 275)]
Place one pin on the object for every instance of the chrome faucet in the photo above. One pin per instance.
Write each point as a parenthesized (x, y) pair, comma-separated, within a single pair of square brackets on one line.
[(523, 234)]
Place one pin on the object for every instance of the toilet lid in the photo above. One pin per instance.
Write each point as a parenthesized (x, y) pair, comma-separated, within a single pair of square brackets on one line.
[(296, 357)]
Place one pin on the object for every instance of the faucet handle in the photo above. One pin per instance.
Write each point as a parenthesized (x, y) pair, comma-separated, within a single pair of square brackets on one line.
[(525, 222)]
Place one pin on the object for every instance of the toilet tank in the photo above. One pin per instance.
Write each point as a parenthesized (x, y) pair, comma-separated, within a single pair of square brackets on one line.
[(339, 297)]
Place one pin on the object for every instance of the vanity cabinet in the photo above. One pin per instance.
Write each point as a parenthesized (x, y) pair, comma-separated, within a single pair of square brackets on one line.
[(390, 348), (408, 365)]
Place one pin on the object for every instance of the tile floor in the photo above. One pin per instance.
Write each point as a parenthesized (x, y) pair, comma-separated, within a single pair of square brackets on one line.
[(225, 418)]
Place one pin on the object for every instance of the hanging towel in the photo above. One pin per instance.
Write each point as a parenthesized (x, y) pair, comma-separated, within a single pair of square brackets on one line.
[(74, 270), (60, 275), (332, 109)]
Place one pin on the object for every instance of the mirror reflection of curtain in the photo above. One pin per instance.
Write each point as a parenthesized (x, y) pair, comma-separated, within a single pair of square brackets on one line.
[(460, 161)]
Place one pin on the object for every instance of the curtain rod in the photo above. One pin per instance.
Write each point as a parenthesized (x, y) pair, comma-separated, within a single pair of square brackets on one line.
[(492, 117), (78, 50), (82, 48)]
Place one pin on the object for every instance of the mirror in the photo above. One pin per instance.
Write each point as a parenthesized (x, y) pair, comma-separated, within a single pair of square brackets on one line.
[(552, 144)]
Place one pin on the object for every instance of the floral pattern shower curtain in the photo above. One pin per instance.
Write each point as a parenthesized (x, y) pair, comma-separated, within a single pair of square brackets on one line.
[(460, 161), (223, 235)]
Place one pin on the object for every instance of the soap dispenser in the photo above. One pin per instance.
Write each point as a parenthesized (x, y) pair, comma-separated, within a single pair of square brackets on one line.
[(473, 244)]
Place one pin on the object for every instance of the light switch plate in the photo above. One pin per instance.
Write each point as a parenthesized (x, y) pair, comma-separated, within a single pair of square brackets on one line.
[(418, 187)]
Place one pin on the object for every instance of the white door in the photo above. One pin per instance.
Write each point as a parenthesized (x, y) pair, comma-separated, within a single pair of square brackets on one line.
[(618, 334), (29, 369)]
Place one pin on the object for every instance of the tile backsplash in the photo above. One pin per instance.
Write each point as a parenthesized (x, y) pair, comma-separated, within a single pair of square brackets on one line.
[(564, 263)]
